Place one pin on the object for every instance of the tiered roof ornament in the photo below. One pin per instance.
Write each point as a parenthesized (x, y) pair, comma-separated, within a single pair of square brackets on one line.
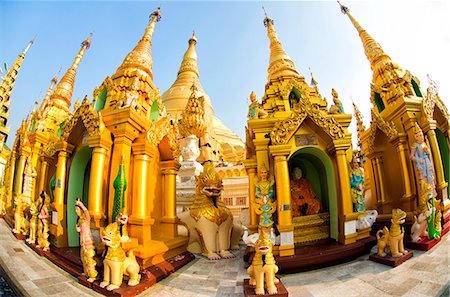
[(193, 118)]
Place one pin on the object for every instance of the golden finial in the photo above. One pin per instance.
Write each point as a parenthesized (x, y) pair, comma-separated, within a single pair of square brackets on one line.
[(193, 117), (193, 39), (313, 81), (267, 20), (359, 122), (189, 63)]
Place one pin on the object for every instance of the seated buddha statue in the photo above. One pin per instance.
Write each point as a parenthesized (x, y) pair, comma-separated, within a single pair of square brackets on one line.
[(303, 198)]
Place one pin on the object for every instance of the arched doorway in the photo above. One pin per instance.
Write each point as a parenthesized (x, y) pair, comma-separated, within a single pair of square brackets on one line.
[(317, 168), (444, 150), (77, 188)]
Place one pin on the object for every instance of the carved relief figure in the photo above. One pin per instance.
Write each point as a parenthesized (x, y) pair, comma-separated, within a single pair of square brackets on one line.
[(19, 216), (29, 178), (357, 184), (209, 221), (303, 196), (264, 203), (392, 238), (255, 111), (87, 251)]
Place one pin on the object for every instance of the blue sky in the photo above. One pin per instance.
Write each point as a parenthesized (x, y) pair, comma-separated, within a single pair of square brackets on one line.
[(232, 48)]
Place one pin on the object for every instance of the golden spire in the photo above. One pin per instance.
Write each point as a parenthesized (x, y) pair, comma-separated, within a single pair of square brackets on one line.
[(359, 122), (372, 49), (64, 89), (141, 56), (280, 63), (193, 118), (47, 95), (189, 62), (10, 78)]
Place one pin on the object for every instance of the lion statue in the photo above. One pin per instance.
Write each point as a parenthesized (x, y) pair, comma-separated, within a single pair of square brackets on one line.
[(263, 268), (209, 221), (393, 237), (116, 263), (20, 222)]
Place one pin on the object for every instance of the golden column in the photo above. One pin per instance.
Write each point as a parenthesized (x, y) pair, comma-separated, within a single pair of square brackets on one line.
[(12, 168), (250, 166), (400, 143), (383, 204), (19, 173), (437, 158), (169, 220), (42, 173), (64, 149), (262, 156), (283, 195), (140, 221), (346, 218)]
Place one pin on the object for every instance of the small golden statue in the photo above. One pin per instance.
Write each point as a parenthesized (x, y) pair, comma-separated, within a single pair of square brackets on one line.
[(392, 238), (19, 216), (34, 211), (255, 111), (264, 203), (116, 262), (87, 251), (263, 269), (337, 107), (43, 222)]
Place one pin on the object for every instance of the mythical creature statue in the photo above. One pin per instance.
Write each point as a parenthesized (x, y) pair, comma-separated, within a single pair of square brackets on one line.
[(263, 269), (43, 222), (87, 250), (393, 237), (337, 107), (428, 222), (264, 203), (34, 211), (116, 263), (209, 221), (19, 216)]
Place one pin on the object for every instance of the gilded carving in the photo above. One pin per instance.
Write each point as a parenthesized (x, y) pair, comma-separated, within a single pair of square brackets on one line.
[(388, 128), (283, 130)]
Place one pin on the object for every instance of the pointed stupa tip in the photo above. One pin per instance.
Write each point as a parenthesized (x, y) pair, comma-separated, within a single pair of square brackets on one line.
[(28, 46), (344, 9), (193, 39)]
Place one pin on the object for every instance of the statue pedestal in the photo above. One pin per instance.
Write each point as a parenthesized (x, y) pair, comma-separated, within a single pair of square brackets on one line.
[(424, 244), (389, 260), (82, 279), (37, 250), (249, 291), (186, 183), (20, 236)]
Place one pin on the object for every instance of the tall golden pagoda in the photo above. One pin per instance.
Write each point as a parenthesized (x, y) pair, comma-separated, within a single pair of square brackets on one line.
[(223, 143), (398, 105), (299, 133), (6, 88)]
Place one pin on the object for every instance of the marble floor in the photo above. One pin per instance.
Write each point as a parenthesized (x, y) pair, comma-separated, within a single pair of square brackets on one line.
[(426, 274)]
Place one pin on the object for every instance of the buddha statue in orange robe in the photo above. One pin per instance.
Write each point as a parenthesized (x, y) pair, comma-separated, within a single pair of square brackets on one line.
[(303, 197)]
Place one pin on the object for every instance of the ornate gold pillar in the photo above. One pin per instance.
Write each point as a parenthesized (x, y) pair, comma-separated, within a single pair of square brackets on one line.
[(10, 185), (283, 195), (169, 220), (346, 218), (250, 166), (18, 184), (383, 204), (400, 143), (140, 221), (64, 150), (42, 174), (262, 156)]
